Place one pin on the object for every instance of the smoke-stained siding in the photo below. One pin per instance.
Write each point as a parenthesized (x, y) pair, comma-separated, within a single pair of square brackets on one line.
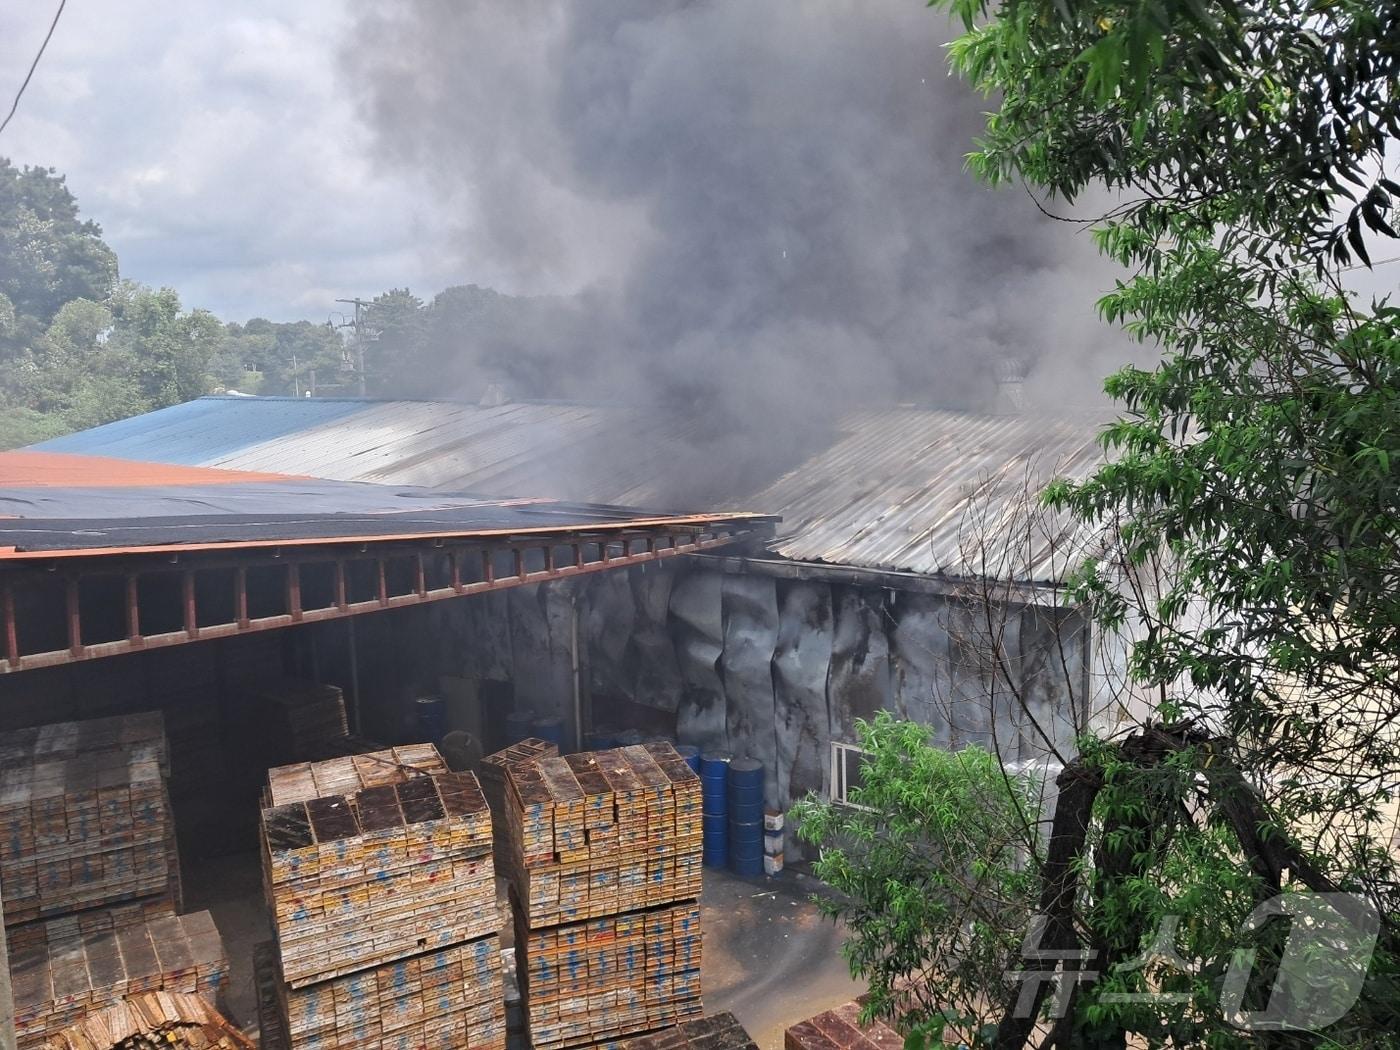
[(801, 664), (923, 673), (750, 606), (697, 625)]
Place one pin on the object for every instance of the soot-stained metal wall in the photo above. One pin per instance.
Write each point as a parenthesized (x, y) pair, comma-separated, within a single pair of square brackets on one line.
[(778, 669)]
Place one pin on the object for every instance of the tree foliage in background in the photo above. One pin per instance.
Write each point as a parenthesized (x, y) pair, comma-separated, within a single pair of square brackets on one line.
[(1234, 156), (79, 347), (927, 868)]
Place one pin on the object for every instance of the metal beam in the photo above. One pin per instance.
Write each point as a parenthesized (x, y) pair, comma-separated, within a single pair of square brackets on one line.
[(523, 551)]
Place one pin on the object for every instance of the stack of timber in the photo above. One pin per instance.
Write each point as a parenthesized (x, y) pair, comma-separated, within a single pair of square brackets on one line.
[(85, 818), (609, 977), (59, 977), (153, 1021), (717, 1032), (494, 774), (604, 863), (301, 718), (379, 876), (842, 1029), (597, 834)]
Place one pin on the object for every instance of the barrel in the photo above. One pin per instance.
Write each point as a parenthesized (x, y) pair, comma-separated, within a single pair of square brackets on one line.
[(431, 712), (745, 805), (691, 756), (714, 791), (551, 729), (517, 727)]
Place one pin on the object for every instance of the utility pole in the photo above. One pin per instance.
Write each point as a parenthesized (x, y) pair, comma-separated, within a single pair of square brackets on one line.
[(358, 325)]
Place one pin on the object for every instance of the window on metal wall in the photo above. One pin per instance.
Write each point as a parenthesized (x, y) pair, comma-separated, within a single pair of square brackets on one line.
[(845, 771)]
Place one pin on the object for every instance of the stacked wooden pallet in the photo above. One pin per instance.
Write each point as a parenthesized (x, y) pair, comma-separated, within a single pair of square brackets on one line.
[(369, 858), (302, 718), (596, 834), (604, 863), (842, 1029), (494, 774), (378, 873), (608, 977), (67, 973), (59, 741), (444, 1000), (87, 821), (153, 1021), (717, 1032)]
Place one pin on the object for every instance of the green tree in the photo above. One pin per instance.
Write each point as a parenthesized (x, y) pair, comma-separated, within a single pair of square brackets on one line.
[(928, 873), (170, 349), (1251, 505), (48, 255), (396, 353)]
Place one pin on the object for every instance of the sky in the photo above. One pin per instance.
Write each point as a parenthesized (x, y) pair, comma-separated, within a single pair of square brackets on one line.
[(218, 146)]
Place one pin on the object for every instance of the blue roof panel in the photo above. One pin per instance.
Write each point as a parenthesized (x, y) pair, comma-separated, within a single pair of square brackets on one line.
[(204, 430)]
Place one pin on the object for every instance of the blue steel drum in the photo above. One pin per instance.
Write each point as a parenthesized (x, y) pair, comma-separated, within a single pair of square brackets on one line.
[(742, 843), (432, 717), (715, 851), (691, 755), (551, 729), (517, 727), (715, 824), (747, 814), (746, 849), (747, 867), (714, 783), (746, 772), (745, 794), (714, 765)]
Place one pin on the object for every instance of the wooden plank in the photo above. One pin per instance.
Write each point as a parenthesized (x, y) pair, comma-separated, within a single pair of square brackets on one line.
[(176, 1020), (85, 818), (603, 833), (608, 977), (372, 858), (67, 972), (445, 999)]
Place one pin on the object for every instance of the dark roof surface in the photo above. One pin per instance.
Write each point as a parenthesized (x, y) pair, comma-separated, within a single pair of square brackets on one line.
[(52, 502), (900, 488)]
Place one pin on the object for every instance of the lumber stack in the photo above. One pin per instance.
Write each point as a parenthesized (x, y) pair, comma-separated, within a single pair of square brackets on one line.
[(494, 774), (302, 718), (842, 1029), (369, 858), (605, 978), (718, 1032), (59, 741), (153, 1021), (604, 863), (444, 1000), (379, 875), (67, 973), (601, 833), (85, 821)]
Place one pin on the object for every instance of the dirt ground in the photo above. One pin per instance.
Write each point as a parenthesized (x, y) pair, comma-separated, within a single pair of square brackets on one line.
[(768, 956)]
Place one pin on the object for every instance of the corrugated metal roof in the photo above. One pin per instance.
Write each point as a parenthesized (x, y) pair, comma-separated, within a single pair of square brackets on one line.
[(199, 432), (56, 503), (937, 493), (904, 489)]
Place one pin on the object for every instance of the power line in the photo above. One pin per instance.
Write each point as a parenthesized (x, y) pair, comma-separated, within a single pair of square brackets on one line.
[(1371, 266), (34, 65)]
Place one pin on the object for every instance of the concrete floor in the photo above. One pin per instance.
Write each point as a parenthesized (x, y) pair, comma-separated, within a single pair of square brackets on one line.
[(768, 955)]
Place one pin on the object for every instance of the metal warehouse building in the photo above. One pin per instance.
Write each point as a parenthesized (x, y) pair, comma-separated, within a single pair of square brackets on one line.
[(912, 571)]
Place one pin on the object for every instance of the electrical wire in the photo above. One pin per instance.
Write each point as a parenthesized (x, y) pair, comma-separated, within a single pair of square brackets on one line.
[(34, 65)]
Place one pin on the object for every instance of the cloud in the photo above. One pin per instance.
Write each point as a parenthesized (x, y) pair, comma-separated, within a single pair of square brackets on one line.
[(217, 146)]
